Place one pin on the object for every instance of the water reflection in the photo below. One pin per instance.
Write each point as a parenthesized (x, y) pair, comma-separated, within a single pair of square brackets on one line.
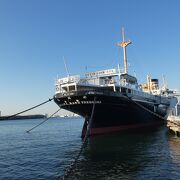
[(125, 156), (174, 145)]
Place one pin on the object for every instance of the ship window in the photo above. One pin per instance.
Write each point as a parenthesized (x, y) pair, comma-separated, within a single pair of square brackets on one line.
[(71, 88), (111, 88), (57, 88), (123, 90), (129, 90), (117, 89), (64, 88), (83, 88)]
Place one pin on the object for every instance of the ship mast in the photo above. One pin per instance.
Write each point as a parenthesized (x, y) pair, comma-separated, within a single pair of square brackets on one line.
[(123, 44)]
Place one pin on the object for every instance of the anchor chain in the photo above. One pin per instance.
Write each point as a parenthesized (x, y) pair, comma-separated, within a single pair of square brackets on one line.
[(73, 164)]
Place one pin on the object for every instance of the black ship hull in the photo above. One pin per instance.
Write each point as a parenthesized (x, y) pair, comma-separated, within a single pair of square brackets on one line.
[(113, 112)]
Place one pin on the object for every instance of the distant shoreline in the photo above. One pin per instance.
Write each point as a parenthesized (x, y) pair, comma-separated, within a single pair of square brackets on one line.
[(36, 116)]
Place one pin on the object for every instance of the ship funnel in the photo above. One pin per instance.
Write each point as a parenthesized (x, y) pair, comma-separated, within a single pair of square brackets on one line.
[(154, 84)]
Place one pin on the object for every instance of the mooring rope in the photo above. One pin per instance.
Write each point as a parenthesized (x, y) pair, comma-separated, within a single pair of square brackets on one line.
[(155, 114), (73, 164), (43, 121), (14, 115)]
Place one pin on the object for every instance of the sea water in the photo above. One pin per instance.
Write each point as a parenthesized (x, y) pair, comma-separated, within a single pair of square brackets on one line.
[(47, 151)]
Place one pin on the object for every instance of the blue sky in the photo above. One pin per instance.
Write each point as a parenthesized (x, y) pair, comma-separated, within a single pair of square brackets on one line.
[(36, 34)]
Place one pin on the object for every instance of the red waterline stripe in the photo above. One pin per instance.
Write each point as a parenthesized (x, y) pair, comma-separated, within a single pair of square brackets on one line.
[(104, 130)]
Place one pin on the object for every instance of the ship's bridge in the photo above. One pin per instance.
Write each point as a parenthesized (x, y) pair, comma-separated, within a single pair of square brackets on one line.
[(102, 78), (92, 80)]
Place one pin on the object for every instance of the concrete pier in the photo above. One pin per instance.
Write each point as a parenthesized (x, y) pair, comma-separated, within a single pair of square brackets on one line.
[(173, 123)]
